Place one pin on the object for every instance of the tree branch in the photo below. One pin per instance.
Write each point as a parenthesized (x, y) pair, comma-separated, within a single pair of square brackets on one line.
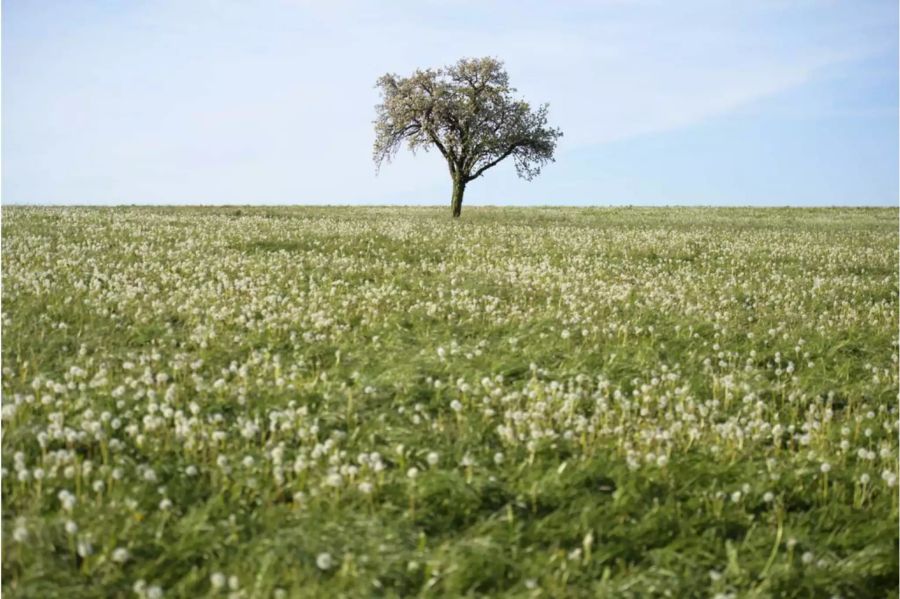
[(496, 161)]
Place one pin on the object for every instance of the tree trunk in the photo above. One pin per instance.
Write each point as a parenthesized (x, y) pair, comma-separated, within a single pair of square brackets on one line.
[(459, 188)]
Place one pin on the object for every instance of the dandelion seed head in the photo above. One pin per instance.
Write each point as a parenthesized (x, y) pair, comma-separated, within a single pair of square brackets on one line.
[(324, 561)]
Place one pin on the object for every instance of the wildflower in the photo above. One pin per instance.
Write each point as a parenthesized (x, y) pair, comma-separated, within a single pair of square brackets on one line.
[(324, 561), (433, 458), (20, 534), (217, 580), (85, 548), (120, 555), (67, 500)]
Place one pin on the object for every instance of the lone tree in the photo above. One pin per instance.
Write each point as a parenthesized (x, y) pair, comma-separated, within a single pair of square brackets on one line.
[(467, 111)]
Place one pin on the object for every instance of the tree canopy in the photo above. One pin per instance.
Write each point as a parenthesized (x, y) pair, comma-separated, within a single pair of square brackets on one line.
[(467, 111)]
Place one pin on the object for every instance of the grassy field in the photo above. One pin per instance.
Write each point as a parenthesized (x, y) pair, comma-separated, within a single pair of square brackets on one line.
[(358, 402)]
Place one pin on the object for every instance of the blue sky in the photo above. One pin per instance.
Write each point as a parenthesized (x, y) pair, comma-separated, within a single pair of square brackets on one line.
[(764, 102)]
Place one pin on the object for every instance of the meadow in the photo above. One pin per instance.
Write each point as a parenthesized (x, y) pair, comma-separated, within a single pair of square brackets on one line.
[(379, 402)]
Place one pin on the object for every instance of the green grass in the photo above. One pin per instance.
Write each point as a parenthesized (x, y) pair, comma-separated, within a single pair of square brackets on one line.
[(623, 402)]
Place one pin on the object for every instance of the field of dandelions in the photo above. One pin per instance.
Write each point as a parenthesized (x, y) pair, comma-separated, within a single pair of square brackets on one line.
[(364, 402)]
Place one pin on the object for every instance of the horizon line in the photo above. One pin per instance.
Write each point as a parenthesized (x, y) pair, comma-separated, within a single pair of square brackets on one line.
[(473, 205)]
